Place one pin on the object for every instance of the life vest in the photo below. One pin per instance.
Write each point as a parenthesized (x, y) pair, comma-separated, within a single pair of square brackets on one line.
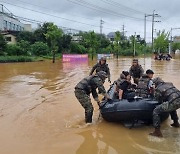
[(119, 82), (142, 88), (87, 84), (103, 67), (167, 92), (136, 71)]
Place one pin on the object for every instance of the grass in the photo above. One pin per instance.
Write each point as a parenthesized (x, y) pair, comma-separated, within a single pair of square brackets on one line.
[(12, 59), (17, 59)]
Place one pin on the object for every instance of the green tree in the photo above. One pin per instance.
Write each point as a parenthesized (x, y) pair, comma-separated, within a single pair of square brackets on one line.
[(24, 48), (14, 50), (40, 49), (26, 36), (65, 42), (175, 46), (53, 35), (117, 44), (91, 42), (161, 42), (2, 44), (77, 48)]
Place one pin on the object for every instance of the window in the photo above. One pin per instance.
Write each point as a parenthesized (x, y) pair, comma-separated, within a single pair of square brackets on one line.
[(8, 39), (14, 27), (9, 26), (5, 24), (17, 27)]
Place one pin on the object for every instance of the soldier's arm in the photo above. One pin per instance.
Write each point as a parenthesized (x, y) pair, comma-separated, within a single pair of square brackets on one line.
[(101, 88), (95, 95), (142, 71), (108, 73), (130, 71), (93, 69)]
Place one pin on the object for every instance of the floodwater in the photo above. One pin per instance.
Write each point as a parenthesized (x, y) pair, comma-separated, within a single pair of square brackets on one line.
[(39, 113)]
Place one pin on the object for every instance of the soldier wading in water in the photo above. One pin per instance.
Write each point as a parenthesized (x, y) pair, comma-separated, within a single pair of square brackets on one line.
[(169, 96), (101, 66), (136, 71), (87, 86)]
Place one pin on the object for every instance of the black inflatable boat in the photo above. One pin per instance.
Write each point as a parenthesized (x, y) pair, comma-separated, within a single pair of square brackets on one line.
[(132, 110)]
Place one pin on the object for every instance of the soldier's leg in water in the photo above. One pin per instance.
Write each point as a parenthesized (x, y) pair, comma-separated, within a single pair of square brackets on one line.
[(85, 101), (165, 107), (174, 115)]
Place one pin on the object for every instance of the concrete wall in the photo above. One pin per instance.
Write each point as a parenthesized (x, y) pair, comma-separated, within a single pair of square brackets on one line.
[(13, 39)]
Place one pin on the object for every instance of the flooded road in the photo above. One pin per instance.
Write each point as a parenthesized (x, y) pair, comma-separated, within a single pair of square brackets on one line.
[(39, 113)]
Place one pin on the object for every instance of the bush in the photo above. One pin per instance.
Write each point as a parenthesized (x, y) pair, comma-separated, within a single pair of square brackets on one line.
[(10, 59), (77, 48), (127, 52), (2, 44), (25, 48), (40, 48), (13, 49)]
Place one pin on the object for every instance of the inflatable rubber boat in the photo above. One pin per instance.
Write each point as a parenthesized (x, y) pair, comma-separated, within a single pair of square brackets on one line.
[(130, 110)]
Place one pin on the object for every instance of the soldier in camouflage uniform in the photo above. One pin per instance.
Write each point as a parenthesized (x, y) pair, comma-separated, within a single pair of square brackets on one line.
[(101, 66), (136, 71), (145, 87), (169, 96), (89, 85)]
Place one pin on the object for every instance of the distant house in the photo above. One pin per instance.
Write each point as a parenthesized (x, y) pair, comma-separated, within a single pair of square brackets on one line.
[(76, 38), (10, 36), (28, 27), (111, 36), (176, 39)]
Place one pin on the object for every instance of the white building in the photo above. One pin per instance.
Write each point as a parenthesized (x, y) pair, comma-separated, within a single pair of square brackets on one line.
[(9, 23)]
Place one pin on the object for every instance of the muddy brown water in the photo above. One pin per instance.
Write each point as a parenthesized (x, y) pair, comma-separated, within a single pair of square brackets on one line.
[(39, 113)]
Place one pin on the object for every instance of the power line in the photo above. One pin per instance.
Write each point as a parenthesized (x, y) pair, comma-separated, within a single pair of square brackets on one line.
[(118, 5), (70, 20), (100, 9), (51, 10), (51, 15)]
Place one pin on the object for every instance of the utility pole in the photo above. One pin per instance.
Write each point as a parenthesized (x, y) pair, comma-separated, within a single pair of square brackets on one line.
[(153, 31), (101, 26), (145, 16), (134, 44), (170, 49), (123, 30), (153, 21)]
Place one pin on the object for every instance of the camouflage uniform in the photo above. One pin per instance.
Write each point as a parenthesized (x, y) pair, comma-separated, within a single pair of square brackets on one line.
[(169, 96), (82, 92), (143, 87), (136, 72), (98, 67)]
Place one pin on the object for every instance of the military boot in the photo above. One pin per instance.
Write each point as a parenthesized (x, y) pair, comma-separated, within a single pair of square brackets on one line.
[(175, 124), (156, 133), (88, 117)]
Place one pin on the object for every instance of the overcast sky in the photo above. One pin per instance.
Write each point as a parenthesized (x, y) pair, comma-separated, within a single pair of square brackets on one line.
[(86, 14)]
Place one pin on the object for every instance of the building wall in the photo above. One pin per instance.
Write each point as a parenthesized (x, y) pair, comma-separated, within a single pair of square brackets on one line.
[(28, 27), (11, 39), (10, 23)]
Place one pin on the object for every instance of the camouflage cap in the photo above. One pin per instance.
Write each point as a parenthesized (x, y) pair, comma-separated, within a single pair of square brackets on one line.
[(103, 58), (135, 60)]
